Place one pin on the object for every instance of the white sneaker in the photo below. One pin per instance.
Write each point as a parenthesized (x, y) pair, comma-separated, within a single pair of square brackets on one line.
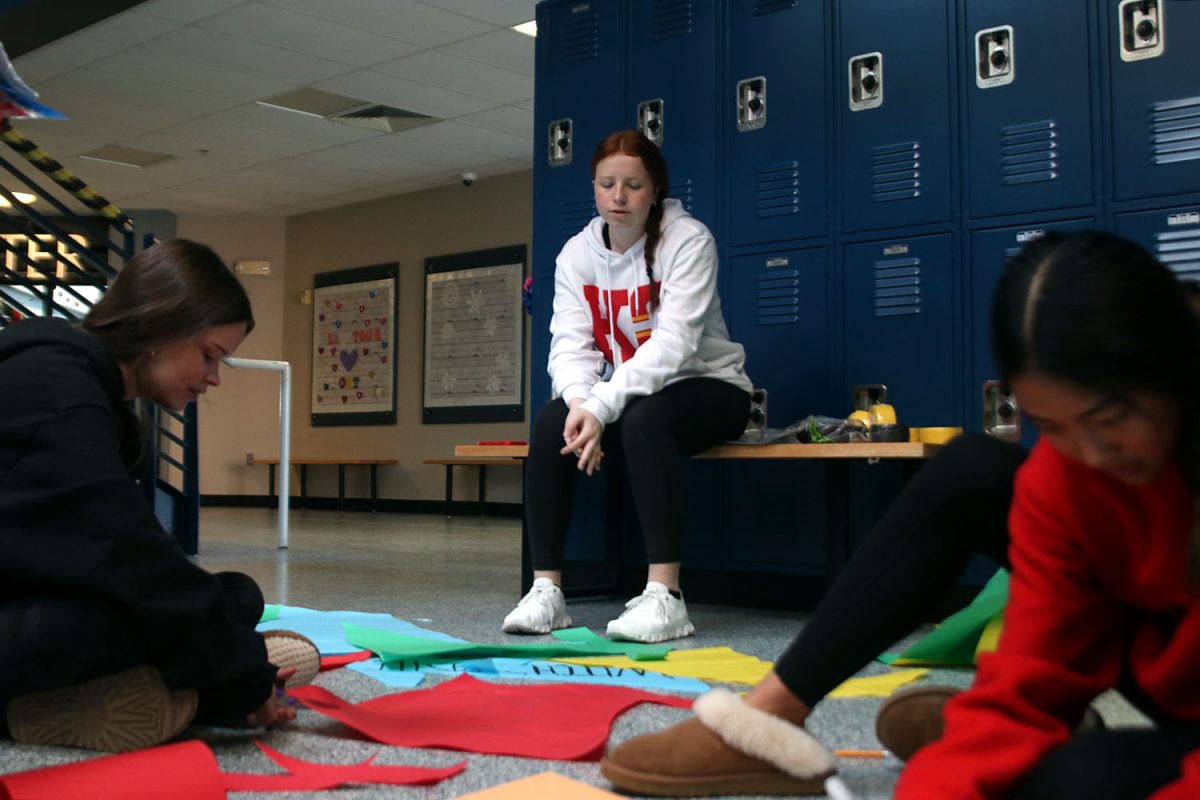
[(541, 610), (655, 615)]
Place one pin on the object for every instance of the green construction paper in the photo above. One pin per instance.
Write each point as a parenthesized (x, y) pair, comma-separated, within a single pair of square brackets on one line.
[(270, 612), (638, 652), (391, 646), (953, 642)]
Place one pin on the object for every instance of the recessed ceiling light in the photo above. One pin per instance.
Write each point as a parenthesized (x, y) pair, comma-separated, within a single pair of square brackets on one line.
[(527, 28)]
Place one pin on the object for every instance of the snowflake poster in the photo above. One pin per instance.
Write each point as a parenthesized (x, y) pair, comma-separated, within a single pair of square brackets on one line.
[(354, 347), (474, 337)]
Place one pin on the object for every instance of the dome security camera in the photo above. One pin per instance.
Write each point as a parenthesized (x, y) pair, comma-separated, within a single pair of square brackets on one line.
[(468, 178)]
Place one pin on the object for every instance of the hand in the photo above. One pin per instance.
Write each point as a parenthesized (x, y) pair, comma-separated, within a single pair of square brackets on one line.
[(274, 711), (582, 433)]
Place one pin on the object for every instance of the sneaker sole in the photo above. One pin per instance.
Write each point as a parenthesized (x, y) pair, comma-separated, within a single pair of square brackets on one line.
[(115, 713), (721, 784), (665, 636), (531, 630)]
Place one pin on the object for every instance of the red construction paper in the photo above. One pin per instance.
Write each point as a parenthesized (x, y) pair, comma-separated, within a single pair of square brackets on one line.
[(181, 771), (342, 659), (566, 722), (307, 776)]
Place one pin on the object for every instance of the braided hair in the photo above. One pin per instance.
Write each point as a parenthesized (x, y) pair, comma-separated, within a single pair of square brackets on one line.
[(634, 143)]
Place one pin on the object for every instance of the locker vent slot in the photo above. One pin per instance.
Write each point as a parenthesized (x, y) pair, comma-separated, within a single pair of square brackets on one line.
[(897, 287), (771, 6), (1180, 250), (896, 172), (573, 216), (672, 18), (682, 191), (777, 300), (1029, 152), (581, 39), (777, 189), (1175, 130)]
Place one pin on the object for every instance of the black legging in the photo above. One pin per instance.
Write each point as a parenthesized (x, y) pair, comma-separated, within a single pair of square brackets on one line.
[(63, 639), (954, 506), (657, 433)]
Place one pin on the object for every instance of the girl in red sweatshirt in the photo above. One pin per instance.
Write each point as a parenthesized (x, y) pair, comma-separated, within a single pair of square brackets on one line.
[(1101, 346)]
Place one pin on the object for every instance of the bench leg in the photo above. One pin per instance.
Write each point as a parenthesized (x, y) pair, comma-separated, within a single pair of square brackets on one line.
[(482, 488), (374, 488), (449, 487), (341, 487)]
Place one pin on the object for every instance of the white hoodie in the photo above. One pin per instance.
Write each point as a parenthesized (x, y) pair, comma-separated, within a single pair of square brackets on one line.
[(683, 337)]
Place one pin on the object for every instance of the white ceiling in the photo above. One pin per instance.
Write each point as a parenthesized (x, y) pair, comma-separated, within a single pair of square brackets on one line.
[(181, 77)]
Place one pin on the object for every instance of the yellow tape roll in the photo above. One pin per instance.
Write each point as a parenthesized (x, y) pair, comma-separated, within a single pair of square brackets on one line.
[(882, 414), (861, 416), (937, 435)]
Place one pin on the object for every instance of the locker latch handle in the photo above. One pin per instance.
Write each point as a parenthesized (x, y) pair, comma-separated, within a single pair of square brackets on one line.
[(995, 57), (560, 137), (752, 104), (1142, 33), (1001, 414), (866, 81), (650, 120)]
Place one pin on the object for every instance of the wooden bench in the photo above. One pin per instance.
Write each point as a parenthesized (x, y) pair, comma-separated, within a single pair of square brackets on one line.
[(342, 463), (835, 456), (483, 464)]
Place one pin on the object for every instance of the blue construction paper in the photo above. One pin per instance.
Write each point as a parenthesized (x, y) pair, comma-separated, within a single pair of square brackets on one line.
[(325, 627)]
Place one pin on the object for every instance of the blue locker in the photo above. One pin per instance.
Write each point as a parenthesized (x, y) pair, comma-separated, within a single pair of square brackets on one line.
[(579, 99), (1155, 96), (900, 326), (673, 94), (895, 106), (990, 251), (773, 105), (779, 313), (1172, 235), (775, 517), (1029, 110)]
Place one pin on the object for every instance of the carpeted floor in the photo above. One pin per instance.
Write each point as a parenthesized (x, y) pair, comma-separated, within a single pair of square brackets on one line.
[(460, 576)]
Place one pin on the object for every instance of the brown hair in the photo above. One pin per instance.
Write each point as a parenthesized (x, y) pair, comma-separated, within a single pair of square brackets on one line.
[(634, 143), (166, 293)]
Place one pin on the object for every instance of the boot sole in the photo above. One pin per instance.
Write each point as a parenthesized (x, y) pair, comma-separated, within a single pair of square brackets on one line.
[(746, 783), (911, 719), (291, 649), (115, 713)]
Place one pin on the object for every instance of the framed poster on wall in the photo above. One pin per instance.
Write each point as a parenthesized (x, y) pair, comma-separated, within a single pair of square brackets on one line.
[(475, 337), (354, 346)]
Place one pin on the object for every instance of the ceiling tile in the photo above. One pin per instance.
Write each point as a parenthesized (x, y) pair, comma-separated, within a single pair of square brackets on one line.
[(318, 171), (499, 12), (139, 92), (408, 20), (185, 73), (186, 10), (83, 108), (275, 145), (506, 48), (459, 74), (131, 27), (34, 68), (403, 146), (388, 167), (468, 137), (406, 94), (509, 119), (78, 49), (205, 46), (290, 123), (308, 34)]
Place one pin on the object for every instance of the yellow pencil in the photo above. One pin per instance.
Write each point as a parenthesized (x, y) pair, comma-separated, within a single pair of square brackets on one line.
[(861, 753)]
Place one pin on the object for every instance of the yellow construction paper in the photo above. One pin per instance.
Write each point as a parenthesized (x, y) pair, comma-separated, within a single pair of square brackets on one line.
[(990, 638), (877, 685), (719, 664), (543, 786)]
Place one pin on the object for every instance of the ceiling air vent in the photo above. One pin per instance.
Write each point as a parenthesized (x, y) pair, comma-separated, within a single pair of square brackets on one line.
[(351, 110)]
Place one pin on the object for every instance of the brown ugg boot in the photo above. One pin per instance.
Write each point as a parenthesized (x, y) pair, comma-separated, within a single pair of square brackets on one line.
[(729, 748), (115, 713)]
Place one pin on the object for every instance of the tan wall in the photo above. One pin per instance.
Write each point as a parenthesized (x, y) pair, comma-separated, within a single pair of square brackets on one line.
[(241, 415)]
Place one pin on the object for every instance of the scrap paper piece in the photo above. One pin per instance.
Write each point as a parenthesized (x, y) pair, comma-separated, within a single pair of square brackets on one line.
[(343, 659), (400, 647), (308, 776), (270, 612), (878, 685), (407, 674), (989, 640), (566, 722), (181, 771), (543, 786), (953, 643), (325, 627), (719, 664), (634, 650)]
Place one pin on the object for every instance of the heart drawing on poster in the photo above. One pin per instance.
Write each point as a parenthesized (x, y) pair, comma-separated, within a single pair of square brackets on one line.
[(348, 358)]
